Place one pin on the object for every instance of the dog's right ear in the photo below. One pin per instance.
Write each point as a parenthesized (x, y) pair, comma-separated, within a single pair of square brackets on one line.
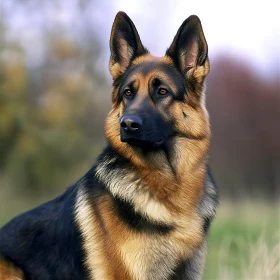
[(125, 45)]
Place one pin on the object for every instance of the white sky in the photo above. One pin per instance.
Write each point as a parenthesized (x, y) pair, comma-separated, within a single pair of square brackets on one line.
[(249, 29)]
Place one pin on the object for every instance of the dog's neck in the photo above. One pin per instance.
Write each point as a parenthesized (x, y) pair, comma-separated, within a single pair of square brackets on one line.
[(155, 191)]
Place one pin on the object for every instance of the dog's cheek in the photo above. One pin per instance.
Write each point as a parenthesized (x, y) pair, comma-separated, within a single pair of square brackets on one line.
[(180, 118), (189, 121), (112, 125)]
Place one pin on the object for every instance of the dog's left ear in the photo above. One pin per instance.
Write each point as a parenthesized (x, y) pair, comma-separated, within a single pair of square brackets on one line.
[(125, 44), (189, 48)]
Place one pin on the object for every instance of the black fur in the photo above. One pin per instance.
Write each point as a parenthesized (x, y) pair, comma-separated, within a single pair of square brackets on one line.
[(137, 221), (45, 242)]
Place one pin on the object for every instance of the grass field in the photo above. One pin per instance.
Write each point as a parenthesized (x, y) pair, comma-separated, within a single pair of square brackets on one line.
[(243, 244)]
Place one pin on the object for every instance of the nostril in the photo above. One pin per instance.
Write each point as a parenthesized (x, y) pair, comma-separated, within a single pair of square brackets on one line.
[(135, 125), (123, 124)]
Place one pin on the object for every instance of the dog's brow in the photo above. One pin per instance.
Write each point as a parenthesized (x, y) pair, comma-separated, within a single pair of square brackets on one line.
[(130, 84), (163, 78)]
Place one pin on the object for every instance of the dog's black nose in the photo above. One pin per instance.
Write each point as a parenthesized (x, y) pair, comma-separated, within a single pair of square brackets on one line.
[(131, 123)]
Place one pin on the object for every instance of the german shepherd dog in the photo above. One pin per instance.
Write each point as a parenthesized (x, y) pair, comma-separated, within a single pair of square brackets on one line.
[(144, 209)]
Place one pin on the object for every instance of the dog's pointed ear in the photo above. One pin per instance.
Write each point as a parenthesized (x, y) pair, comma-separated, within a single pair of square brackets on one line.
[(189, 48), (125, 44)]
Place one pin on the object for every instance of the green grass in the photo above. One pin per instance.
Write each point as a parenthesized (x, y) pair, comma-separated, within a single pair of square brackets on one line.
[(243, 243), (241, 236)]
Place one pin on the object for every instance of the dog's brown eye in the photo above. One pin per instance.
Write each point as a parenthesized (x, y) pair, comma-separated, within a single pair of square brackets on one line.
[(127, 92), (162, 91)]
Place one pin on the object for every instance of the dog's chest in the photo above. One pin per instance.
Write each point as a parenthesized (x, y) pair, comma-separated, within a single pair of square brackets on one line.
[(122, 253), (156, 257), (149, 257), (116, 249)]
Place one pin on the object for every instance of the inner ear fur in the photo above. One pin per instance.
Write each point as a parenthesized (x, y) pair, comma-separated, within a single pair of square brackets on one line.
[(125, 45)]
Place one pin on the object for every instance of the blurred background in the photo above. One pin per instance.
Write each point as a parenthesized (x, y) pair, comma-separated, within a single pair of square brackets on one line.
[(55, 95)]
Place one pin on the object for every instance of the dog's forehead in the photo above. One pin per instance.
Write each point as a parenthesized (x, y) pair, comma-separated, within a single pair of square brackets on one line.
[(148, 64), (145, 67), (151, 59)]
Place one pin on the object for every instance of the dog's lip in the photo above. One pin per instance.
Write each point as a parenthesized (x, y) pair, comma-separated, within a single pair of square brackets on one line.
[(142, 142), (159, 142)]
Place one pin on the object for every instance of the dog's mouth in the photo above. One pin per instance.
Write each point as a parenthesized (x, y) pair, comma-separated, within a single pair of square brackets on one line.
[(152, 144)]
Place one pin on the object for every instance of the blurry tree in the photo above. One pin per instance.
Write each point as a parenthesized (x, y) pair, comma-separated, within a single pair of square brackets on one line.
[(51, 121), (245, 112), (13, 97)]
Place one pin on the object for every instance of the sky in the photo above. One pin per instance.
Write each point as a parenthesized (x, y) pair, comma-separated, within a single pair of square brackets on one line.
[(249, 30)]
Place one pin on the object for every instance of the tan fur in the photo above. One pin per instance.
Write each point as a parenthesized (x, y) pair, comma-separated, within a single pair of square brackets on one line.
[(154, 257), (9, 272), (99, 239), (133, 189), (115, 252)]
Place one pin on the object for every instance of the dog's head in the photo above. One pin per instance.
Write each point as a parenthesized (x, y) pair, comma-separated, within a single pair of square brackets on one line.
[(156, 99)]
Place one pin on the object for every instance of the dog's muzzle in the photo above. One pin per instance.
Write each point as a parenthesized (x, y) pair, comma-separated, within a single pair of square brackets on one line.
[(133, 132)]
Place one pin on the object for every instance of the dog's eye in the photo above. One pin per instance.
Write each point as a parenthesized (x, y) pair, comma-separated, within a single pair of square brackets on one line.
[(127, 92), (162, 91)]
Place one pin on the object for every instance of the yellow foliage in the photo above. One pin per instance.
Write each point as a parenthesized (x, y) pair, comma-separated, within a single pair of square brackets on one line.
[(14, 79), (63, 48)]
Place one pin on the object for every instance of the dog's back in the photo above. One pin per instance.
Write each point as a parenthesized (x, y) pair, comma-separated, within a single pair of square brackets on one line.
[(45, 239)]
